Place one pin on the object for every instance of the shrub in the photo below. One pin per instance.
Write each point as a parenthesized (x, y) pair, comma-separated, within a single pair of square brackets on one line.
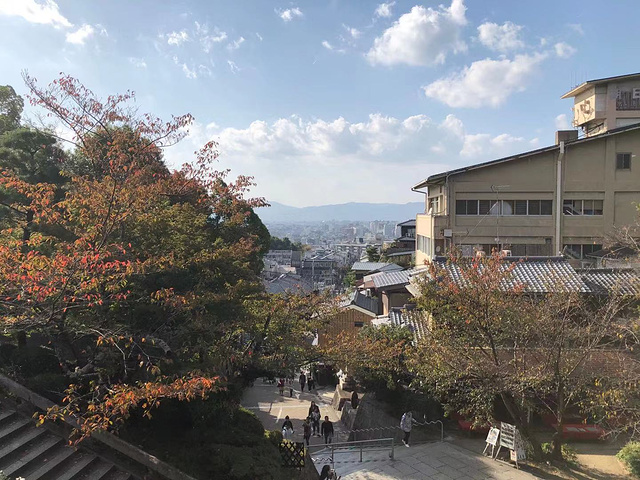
[(630, 456), (274, 436)]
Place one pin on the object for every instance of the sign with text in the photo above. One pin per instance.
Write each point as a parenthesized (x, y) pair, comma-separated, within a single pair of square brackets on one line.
[(507, 435)]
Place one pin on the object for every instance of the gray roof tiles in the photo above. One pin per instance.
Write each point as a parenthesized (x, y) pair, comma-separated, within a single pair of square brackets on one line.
[(606, 280)]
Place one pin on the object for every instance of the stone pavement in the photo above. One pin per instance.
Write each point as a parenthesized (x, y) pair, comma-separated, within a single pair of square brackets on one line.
[(264, 400), (433, 461)]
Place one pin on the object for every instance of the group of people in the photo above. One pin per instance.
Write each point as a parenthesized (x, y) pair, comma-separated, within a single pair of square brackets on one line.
[(310, 426), (304, 379)]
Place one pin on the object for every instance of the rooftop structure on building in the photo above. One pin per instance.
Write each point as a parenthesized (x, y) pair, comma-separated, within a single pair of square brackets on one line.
[(605, 104)]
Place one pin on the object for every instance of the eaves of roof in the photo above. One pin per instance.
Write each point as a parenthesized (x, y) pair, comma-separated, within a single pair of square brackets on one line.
[(437, 178), (583, 86)]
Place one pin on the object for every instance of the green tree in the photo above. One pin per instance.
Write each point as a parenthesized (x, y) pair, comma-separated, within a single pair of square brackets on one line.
[(11, 105), (373, 255)]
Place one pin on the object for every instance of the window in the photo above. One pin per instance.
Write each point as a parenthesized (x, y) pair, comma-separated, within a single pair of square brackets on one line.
[(521, 207), (623, 161), (507, 207), (579, 251), (424, 244), (358, 324), (434, 204), (582, 207)]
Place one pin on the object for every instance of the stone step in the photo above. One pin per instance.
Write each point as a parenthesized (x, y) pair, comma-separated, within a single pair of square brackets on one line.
[(51, 462), (16, 425), (78, 467), (120, 475), (21, 439), (100, 470), (32, 453), (6, 414)]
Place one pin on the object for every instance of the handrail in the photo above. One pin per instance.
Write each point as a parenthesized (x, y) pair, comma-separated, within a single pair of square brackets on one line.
[(350, 447), (433, 422)]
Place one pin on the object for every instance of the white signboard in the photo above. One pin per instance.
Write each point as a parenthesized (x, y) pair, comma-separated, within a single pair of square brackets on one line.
[(507, 435), (492, 437)]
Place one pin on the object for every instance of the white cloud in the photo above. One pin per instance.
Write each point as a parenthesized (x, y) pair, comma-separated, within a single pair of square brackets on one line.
[(479, 145), (562, 122), (208, 40), (44, 12), (576, 27), (177, 38), (384, 9), (80, 36), (191, 74), (233, 66), (386, 154), (564, 50), (327, 45), (289, 14), (138, 62), (235, 44), (354, 32), (259, 36), (423, 36), (485, 82), (502, 38)]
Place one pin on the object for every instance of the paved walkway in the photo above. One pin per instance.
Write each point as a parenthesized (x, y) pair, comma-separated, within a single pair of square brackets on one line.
[(271, 408), (433, 461)]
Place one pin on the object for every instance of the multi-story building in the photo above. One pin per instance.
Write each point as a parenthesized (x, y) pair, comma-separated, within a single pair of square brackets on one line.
[(289, 258), (564, 198)]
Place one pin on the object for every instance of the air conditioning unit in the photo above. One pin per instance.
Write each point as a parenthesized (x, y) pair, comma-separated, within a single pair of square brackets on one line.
[(505, 253), (636, 93)]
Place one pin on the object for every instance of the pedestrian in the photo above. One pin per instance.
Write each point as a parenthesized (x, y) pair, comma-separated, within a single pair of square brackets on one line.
[(315, 419), (354, 399), (325, 474), (281, 386), (290, 392), (306, 430), (287, 428), (302, 380), (327, 430), (311, 383), (405, 425)]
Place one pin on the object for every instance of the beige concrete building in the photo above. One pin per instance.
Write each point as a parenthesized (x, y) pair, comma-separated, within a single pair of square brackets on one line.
[(560, 199), (606, 103)]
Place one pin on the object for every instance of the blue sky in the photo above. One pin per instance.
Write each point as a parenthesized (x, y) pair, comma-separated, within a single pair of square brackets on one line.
[(333, 101)]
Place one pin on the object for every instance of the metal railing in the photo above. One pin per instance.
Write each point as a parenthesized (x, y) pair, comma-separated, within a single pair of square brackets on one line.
[(394, 428), (361, 447)]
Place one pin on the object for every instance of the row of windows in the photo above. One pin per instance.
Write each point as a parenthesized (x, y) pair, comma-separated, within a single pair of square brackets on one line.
[(504, 207), (424, 244), (582, 207)]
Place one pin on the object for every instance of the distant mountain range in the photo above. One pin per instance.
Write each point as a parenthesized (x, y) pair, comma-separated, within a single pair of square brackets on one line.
[(364, 212)]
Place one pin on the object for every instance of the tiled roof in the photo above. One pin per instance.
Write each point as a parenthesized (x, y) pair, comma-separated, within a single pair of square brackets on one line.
[(388, 279), (368, 266), (607, 280), (368, 303), (287, 283), (391, 267), (411, 319), (400, 254), (533, 274)]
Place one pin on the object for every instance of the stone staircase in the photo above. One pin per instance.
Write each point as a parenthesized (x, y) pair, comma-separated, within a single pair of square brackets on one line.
[(37, 453)]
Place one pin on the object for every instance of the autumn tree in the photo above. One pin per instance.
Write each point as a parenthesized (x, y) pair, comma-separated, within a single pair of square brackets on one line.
[(492, 337), (141, 286)]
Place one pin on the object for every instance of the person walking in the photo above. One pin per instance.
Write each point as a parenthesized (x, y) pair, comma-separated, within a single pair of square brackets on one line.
[(406, 422), (281, 386), (315, 418), (355, 400), (306, 430), (311, 383), (287, 428), (302, 380), (327, 430)]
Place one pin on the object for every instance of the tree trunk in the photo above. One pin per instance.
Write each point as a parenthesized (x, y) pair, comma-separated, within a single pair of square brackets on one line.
[(556, 453), (516, 414)]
